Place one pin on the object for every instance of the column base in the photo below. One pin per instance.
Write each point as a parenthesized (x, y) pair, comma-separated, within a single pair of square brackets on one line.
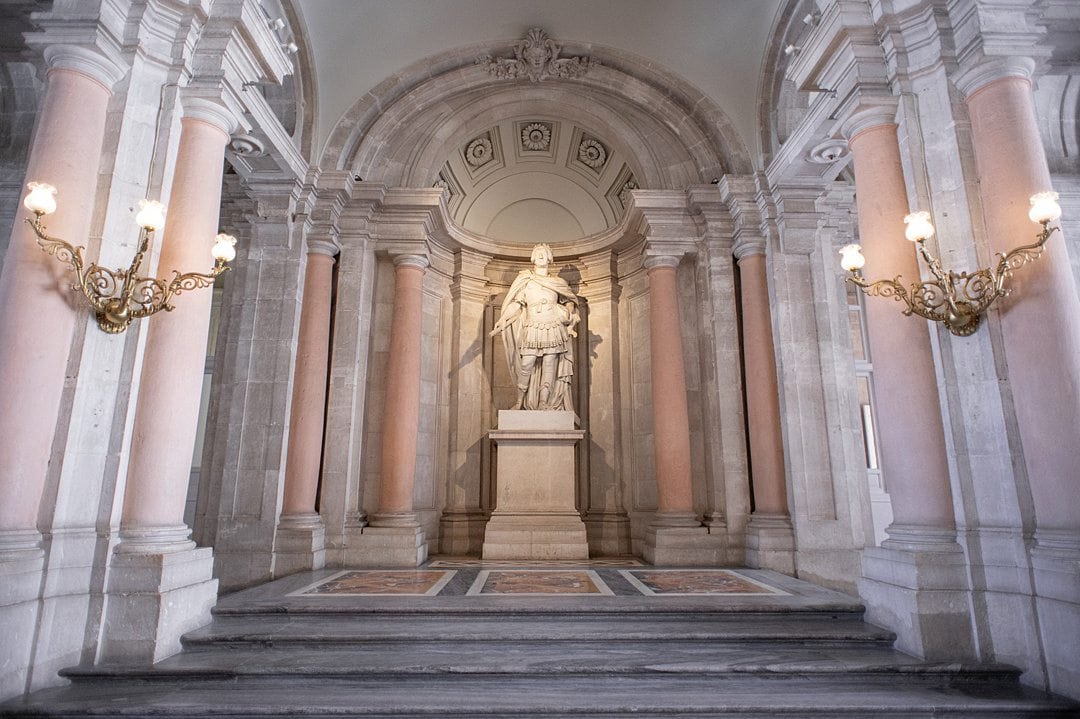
[(391, 540), (535, 535), (916, 585), (462, 532), (299, 544), (678, 539), (153, 598), (20, 585), (770, 543), (1055, 561), (608, 534)]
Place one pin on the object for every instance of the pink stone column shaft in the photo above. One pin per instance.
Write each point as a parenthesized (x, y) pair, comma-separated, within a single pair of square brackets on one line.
[(762, 392), (912, 437), (671, 420), (1040, 321), (39, 308), (309, 388), (166, 416), (401, 415)]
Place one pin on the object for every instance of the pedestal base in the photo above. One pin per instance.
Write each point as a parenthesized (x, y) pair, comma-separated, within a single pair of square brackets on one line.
[(770, 543), (21, 566), (153, 598), (462, 533), (299, 544), (609, 533), (1055, 561), (677, 541), (389, 541), (535, 515), (919, 590)]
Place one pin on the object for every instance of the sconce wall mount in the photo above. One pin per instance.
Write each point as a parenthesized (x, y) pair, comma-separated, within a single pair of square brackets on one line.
[(956, 299), (120, 296)]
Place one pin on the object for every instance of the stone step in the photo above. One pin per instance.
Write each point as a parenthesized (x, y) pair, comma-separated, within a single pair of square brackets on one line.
[(534, 658), (680, 695), (307, 629)]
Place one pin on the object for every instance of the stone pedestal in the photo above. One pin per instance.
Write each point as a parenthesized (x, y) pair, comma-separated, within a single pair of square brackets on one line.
[(393, 539), (20, 586), (535, 516), (153, 598), (919, 590), (299, 544), (682, 542), (770, 543)]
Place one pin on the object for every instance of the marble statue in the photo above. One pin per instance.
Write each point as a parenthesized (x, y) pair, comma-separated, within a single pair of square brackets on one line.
[(538, 321)]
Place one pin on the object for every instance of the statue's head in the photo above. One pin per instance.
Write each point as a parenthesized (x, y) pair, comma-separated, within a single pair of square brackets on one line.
[(542, 251)]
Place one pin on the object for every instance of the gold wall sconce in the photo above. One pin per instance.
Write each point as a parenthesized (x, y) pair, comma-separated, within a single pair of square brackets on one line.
[(957, 299), (120, 296)]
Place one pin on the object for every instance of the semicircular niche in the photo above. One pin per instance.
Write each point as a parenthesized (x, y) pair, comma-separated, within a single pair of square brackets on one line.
[(534, 179)]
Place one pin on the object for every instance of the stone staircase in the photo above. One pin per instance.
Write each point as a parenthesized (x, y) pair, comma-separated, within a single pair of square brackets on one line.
[(805, 654)]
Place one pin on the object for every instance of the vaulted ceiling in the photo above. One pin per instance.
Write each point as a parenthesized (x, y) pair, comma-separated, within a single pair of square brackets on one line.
[(715, 45)]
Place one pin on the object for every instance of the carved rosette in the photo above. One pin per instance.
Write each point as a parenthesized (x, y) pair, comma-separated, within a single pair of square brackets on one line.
[(478, 152), (592, 153), (536, 137), (536, 57)]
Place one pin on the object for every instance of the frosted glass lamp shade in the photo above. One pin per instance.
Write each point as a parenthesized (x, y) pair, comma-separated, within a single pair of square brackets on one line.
[(151, 215), (41, 199), (851, 258), (1044, 207), (918, 227), (224, 248)]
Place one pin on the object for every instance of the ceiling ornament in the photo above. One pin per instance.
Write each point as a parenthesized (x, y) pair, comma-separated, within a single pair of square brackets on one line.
[(247, 146), (536, 57), (478, 152), (536, 136), (592, 153), (829, 152)]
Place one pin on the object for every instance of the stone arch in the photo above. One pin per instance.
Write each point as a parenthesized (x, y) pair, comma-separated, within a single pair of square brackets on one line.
[(369, 137), (780, 105)]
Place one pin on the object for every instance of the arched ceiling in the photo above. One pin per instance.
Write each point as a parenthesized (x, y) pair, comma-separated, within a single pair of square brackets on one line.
[(715, 45)]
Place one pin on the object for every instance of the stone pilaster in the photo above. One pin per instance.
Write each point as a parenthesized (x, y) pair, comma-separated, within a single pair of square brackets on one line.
[(461, 527), (606, 520)]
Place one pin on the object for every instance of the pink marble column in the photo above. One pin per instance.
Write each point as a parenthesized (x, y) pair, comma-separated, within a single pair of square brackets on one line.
[(1040, 321), (39, 308), (309, 388), (401, 414), (671, 421), (166, 416), (762, 393), (912, 437)]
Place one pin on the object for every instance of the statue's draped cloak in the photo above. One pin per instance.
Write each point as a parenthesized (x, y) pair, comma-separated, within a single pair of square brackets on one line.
[(561, 398)]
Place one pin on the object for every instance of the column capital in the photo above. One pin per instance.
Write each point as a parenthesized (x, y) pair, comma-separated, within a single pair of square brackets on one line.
[(93, 62), (209, 111), (873, 112), (752, 246), (323, 247), (416, 262), (975, 78), (653, 262)]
